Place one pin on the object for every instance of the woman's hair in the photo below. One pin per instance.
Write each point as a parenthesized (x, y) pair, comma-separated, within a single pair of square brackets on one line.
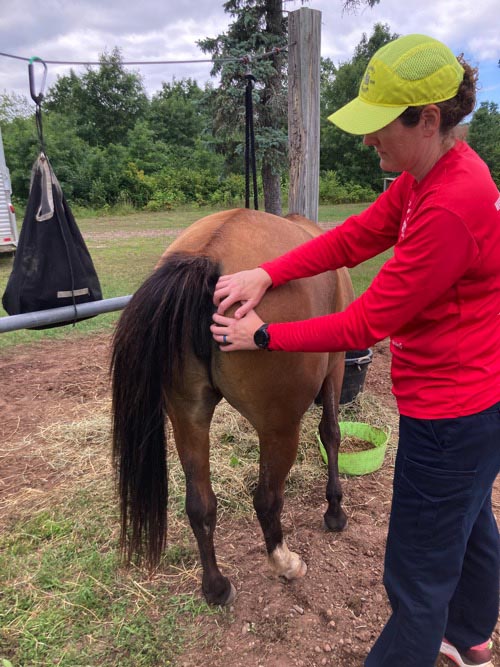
[(454, 109)]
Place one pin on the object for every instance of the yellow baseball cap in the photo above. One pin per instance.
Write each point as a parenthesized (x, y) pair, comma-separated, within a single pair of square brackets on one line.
[(410, 71)]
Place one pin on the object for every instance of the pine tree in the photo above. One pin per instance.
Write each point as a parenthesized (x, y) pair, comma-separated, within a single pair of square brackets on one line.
[(259, 28)]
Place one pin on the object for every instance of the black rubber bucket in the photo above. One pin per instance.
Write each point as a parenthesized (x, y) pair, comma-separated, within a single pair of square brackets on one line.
[(356, 367)]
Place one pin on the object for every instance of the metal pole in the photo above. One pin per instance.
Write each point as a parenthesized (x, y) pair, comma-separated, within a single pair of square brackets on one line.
[(65, 314)]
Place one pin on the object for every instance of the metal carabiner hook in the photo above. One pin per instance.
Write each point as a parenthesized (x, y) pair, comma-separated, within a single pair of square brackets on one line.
[(247, 61), (37, 98)]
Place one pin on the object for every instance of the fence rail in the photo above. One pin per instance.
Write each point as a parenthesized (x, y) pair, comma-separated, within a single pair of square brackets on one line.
[(65, 314)]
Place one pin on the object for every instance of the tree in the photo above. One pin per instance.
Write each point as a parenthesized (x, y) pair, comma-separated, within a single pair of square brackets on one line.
[(341, 152), (21, 149), (175, 115), (353, 5), (258, 28), (104, 103), (66, 96), (13, 106), (67, 153), (484, 136), (145, 149)]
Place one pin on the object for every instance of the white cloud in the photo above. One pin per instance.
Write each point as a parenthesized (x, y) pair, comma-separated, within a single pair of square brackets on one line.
[(153, 30)]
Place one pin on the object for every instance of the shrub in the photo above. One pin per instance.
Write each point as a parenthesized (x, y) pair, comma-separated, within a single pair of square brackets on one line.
[(165, 200), (230, 191), (333, 191)]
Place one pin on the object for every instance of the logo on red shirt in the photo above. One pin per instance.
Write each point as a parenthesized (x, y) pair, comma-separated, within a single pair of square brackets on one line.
[(405, 221)]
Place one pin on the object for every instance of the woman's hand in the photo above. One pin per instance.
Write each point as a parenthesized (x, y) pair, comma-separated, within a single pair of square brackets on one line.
[(233, 334), (246, 286)]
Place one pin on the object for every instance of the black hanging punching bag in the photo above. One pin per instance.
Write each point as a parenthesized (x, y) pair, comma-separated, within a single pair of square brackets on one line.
[(52, 266)]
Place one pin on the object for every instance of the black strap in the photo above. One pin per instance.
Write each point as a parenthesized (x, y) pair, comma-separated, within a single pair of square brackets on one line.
[(38, 99), (39, 128), (250, 145)]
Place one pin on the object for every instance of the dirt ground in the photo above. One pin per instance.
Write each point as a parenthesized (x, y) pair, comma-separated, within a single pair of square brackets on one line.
[(329, 617)]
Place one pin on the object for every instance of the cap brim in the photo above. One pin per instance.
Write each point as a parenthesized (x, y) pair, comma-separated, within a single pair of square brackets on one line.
[(359, 117)]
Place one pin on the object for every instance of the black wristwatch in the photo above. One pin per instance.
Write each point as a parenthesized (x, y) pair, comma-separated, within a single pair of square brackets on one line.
[(261, 337)]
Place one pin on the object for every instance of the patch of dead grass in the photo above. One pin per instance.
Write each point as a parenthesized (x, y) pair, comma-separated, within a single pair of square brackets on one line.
[(77, 455)]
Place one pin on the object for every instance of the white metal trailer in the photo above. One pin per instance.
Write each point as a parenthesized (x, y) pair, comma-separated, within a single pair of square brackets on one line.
[(8, 226)]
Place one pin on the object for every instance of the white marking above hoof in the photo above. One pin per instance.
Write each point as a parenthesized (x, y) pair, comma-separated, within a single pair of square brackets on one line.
[(287, 563)]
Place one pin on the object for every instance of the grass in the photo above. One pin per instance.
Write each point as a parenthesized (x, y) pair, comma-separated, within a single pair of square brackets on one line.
[(65, 599), (66, 602), (361, 275), (338, 212)]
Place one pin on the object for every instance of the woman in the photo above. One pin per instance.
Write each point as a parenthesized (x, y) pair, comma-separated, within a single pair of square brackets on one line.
[(438, 299)]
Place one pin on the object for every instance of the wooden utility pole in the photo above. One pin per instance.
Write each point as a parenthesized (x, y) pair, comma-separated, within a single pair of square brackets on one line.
[(304, 30)]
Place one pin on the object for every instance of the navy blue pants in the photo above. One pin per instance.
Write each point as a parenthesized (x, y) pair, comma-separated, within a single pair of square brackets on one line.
[(442, 559)]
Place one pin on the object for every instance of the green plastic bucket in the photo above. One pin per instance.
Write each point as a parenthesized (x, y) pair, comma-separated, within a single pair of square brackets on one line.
[(361, 462)]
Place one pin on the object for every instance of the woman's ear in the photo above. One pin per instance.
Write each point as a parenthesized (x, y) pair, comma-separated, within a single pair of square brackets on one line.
[(430, 118)]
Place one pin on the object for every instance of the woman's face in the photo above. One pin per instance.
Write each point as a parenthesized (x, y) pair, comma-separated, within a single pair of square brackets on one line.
[(398, 147)]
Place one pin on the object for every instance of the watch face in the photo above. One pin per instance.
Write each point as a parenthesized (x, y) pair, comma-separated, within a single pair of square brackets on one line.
[(261, 337)]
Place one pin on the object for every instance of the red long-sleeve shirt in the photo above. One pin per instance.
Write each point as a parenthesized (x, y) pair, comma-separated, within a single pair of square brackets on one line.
[(438, 297)]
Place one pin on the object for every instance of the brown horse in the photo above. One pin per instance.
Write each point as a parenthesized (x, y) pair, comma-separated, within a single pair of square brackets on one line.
[(165, 363)]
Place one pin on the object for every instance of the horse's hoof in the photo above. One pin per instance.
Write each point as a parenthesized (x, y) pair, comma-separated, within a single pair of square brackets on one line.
[(335, 523), (302, 570), (224, 596), (231, 597), (298, 571), (287, 563)]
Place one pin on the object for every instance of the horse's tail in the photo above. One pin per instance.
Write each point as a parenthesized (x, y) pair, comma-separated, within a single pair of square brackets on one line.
[(168, 317)]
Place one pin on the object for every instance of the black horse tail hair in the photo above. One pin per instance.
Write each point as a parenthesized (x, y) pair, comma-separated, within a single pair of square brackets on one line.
[(169, 315)]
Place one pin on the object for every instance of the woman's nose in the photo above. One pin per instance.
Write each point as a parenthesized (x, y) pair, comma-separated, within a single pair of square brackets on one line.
[(370, 139)]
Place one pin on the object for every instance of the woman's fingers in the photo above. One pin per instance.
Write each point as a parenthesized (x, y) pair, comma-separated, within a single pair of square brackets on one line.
[(246, 287), (222, 289), (232, 334), (222, 320)]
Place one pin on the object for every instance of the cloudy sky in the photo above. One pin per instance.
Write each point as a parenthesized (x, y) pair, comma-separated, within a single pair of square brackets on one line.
[(151, 30)]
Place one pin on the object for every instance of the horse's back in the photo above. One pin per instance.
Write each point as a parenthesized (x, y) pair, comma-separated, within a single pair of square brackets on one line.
[(242, 238)]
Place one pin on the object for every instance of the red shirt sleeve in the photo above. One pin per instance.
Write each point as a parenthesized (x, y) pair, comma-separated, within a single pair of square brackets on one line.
[(436, 252), (356, 240)]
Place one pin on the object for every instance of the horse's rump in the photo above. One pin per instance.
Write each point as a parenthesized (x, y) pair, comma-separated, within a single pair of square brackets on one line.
[(242, 239)]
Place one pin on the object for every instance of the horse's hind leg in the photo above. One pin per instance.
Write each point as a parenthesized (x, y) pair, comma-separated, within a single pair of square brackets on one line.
[(335, 517), (277, 454), (191, 430)]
